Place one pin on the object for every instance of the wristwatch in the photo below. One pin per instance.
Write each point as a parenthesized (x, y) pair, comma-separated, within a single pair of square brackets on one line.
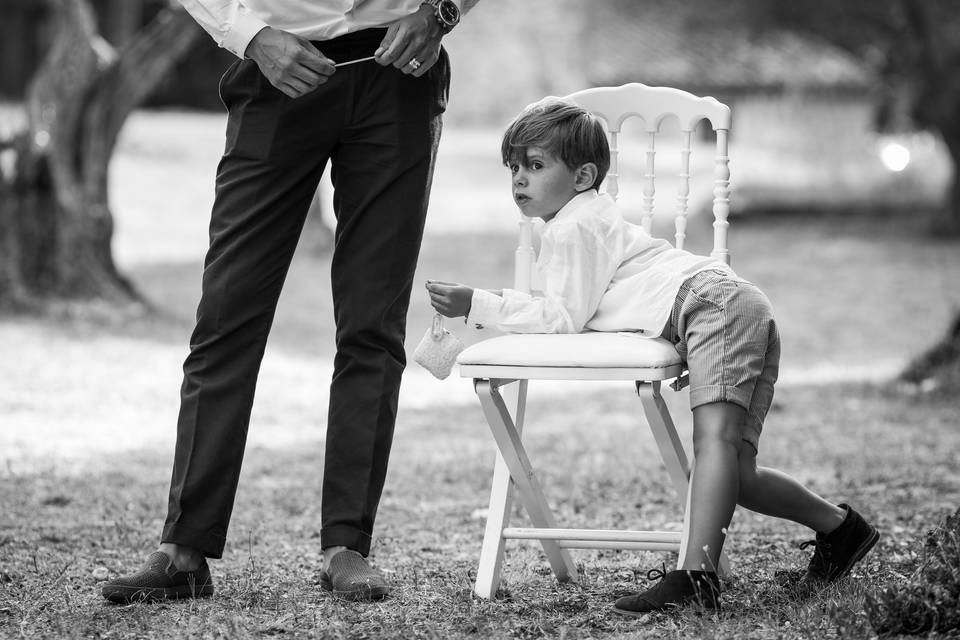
[(446, 12)]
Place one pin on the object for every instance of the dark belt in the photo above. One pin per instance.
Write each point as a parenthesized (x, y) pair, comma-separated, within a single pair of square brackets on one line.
[(351, 46)]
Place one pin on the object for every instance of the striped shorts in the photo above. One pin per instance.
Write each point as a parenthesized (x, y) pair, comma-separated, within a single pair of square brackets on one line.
[(723, 328)]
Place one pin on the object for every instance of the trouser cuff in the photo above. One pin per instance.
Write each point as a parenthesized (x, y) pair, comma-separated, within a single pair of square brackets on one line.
[(346, 536), (211, 545)]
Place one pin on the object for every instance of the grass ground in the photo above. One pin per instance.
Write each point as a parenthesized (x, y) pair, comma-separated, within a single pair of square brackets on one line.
[(84, 480), (889, 455)]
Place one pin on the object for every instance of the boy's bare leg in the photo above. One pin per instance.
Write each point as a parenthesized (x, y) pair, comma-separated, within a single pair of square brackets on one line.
[(726, 473), (714, 483), (774, 493)]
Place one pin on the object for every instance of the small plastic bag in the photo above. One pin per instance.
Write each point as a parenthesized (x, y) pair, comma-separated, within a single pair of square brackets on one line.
[(438, 350)]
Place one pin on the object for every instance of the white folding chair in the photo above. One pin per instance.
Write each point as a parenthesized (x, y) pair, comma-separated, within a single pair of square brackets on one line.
[(504, 365)]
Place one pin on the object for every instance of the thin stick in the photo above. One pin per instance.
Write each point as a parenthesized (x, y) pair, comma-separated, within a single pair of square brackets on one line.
[(343, 64)]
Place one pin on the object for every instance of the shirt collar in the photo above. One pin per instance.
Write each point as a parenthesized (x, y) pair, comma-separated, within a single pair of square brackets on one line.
[(580, 200)]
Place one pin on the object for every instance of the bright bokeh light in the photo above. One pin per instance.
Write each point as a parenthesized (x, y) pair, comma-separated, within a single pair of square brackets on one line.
[(895, 156)]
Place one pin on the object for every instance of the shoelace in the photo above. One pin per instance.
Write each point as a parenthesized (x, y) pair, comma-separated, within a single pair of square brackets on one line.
[(657, 574), (821, 552), (825, 546)]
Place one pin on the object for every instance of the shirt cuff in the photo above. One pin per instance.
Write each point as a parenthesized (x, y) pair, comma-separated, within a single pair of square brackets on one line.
[(238, 36), (484, 308)]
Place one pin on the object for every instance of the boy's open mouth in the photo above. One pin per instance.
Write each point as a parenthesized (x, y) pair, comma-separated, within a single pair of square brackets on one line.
[(520, 198)]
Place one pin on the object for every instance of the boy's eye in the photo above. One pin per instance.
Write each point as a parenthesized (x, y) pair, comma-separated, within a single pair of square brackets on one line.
[(536, 164), (514, 168)]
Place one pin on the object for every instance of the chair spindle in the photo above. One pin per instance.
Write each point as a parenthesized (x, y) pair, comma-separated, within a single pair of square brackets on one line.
[(613, 174), (683, 191), (721, 198), (649, 186)]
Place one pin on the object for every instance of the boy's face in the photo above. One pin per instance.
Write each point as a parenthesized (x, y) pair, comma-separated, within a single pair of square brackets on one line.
[(542, 184)]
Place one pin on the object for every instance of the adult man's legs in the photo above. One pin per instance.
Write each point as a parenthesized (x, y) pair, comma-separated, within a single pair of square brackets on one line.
[(381, 172), (276, 151)]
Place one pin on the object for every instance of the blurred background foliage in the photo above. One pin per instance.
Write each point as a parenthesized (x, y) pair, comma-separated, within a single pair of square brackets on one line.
[(838, 106)]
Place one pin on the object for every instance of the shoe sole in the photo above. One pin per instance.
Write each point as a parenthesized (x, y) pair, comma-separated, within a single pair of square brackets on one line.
[(861, 551), (130, 595), (362, 593), (668, 609)]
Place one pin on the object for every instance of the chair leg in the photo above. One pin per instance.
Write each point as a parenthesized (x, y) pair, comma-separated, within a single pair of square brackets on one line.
[(521, 471), (501, 503), (674, 458)]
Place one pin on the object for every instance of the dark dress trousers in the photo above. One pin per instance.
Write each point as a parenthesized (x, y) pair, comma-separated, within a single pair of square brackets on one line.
[(380, 129)]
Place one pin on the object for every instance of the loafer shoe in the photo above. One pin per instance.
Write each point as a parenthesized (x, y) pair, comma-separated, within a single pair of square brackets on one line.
[(159, 579), (836, 552), (679, 588), (351, 577)]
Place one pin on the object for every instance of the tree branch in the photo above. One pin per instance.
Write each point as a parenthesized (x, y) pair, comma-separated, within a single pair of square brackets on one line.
[(141, 65), (920, 22), (56, 95)]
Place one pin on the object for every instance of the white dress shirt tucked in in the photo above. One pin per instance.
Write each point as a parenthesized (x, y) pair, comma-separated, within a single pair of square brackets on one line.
[(233, 23), (598, 273)]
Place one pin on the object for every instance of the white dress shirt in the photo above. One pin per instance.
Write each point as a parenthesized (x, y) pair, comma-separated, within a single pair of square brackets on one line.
[(598, 273), (233, 23)]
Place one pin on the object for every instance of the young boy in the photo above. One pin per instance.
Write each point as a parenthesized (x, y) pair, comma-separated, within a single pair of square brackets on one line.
[(602, 273)]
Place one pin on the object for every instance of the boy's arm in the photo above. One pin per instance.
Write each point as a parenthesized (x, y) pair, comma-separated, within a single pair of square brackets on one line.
[(518, 312), (575, 277)]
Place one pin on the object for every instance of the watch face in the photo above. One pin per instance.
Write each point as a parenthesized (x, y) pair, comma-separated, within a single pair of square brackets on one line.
[(448, 12)]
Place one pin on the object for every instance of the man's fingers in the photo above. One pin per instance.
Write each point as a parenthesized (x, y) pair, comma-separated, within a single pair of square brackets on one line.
[(308, 76), (288, 91), (295, 87), (309, 57), (387, 40), (404, 57), (393, 44), (429, 59)]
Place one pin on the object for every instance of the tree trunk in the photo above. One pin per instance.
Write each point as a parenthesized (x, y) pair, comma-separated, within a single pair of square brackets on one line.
[(938, 368), (951, 215), (55, 220)]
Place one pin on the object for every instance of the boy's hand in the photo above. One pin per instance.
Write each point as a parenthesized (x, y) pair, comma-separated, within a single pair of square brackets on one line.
[(450, 299)]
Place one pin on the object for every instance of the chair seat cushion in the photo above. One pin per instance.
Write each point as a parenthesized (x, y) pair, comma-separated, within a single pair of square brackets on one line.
[(587, 350)]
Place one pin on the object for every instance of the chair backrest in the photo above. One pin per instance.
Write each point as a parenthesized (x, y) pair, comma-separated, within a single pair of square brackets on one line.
[(652, 105)]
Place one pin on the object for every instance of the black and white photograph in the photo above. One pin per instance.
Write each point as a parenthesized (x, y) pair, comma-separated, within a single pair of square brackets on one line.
[(479, 319)]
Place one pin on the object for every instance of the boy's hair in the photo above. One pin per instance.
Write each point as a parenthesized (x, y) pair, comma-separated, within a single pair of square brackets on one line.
[(563, 128)]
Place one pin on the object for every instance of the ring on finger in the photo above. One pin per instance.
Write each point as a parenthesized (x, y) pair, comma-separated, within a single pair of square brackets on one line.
[(414, 63)]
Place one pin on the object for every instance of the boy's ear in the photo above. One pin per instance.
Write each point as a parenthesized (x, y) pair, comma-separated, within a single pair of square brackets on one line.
[(585, 176)]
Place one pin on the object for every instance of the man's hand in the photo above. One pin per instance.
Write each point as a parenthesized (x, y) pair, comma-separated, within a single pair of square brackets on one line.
[(290, 63), (413, 37), (450, 299)]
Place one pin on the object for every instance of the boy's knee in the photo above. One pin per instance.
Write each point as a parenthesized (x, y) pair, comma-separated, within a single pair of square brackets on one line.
[(719, 423)]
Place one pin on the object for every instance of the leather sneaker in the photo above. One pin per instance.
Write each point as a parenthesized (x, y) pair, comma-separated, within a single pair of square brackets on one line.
[(679, 588), (836, 552), (159, 579), (352, 578)]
